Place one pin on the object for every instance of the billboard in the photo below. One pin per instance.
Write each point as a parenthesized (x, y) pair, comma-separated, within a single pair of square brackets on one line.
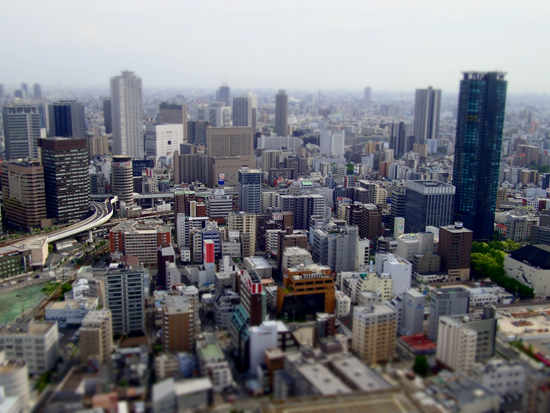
[(221, 179), (277, 216)]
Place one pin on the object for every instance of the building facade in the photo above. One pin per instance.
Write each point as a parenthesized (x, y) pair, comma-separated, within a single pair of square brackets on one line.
[(428, 203), (21, 131)]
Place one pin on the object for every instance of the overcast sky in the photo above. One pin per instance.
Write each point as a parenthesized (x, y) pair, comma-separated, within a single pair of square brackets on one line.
[(393, 45)]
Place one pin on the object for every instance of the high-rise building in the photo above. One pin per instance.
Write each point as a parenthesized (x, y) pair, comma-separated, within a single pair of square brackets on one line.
[(139, 240), (173, 113), (455, 249), (367, 96), (229, 149), (96, 336), (2, 92), (215, 113), (37, 91), (223, 94), (122, 182), (21, 131), (245, 223), (125, 293), (163, 140), (243, 108), (428, 203), (250, 190), (178, 326), (374, 332), (107, 115), (67, 119), (427, 106), (446, 302), (481, 104), (335, 245), (127, 115), (24, 200), (465, 339), (281, 113), (399, 132), (371, 222), (189, 168), (304, 207), (66, 179), (25, 88), (196, 132)]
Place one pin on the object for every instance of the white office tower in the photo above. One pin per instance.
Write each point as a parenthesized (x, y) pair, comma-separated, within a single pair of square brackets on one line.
[(127, 115), (427, 106), (456, 345), (332, 143), (216, 114), (162, 141)]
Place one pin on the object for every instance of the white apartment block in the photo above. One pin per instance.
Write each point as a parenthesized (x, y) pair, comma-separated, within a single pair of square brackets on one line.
[(35, 342), (456, 345), (500, 376), (342, 305)]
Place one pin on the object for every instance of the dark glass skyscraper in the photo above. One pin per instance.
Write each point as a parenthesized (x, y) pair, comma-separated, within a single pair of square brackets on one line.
[(67, 119), (481, 104)]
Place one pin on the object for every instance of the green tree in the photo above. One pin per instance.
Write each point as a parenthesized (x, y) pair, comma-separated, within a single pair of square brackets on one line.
[(421, 366), (50, 248), (350, 168)]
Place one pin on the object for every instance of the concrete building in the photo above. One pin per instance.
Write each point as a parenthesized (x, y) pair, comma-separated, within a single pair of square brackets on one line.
[(174, 113), (229, 149), (244, 110), (21, 131), (504, 378), (409, 245), (189, 168), (24, 201), (352, 283), (122, 183), (162, 141), (96, 336), (70, 310), (446, 302), (14, 379), (35, 342), (399, 269), (107, 116), (286, 239), (217, 114), (139, 239), (98, 145), (125, 292), (127, 115), (409, 307), (281, 113), (336, 246), (371, 222), (295, 256), (244, 223), (427, 107), (250, 190), (262, 338), (455, 249), (530, 265), (178, 328), (374, 332), (342, 304), (212, 362), (66, 182)]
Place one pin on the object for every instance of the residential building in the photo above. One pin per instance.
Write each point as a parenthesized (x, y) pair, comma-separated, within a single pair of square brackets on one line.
[(371, 222), (21, 131), (189, 168), (96, 336), (427, 107), (481, 105), (455, 249), (212, 362), (35, 342), (428, 203), (374, 332), (335, 245), (66, 181), (179, 331), (398, 268), (139, 239), (127, 115), (24, 200), (503, 377), (244, 223), (289, 238), (250, 190), (125, 292)]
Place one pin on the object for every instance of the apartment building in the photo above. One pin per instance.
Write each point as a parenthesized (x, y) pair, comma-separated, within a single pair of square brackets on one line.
[(96, 336)]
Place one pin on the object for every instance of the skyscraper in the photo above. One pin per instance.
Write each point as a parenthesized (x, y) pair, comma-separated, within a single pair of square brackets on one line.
[(224, 95), (127, 115), (1, 91), (243, 108), (399, 132), (25, 89), (66, 178), (67, 119), (428, 203), (427, 106), (37, 91), (21, 131), (481, 104), (281, 113), (250, 190), (367, 95), (107, 115)]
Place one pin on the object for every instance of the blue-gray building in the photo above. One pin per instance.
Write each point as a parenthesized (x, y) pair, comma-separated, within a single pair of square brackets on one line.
[(428, 203), (481, 104), (250, 190), (67, 119)]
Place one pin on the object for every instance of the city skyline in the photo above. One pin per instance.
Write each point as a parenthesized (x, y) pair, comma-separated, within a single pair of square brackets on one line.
[(500, 36)]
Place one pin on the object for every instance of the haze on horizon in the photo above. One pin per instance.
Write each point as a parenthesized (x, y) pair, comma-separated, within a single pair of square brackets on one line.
[(392, 45)]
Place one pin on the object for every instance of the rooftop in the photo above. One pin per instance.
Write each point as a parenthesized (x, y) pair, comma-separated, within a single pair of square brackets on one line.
[(324, 381), (359, 374), (210, 351)]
